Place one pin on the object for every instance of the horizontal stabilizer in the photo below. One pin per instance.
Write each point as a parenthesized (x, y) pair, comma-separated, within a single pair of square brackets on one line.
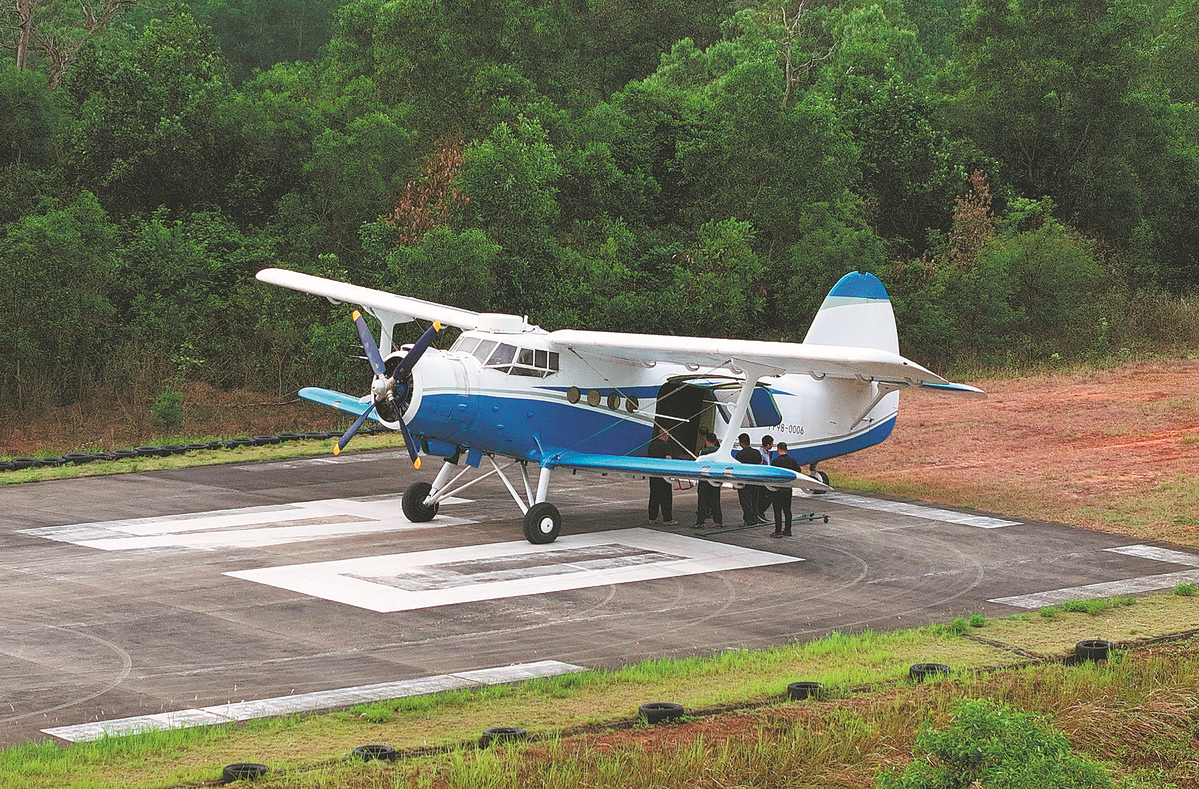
[(342, 402), (702, 469), (956, 389)]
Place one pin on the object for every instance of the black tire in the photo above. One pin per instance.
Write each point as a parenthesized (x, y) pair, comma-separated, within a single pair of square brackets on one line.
[(1092, 649), (234, 443), (798, 691), (290, 436), (6, 465), (384, 753), (543, 523), (820, 476), (502, 734), (413, 503), (922, 671), (22, 463), (242, 771), (150, 452), (265, 440), (78, 458), (124, 454), (659, 711)]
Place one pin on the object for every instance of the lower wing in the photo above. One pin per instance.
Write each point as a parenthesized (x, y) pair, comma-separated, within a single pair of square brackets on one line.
[(715, 470), (342, 402)]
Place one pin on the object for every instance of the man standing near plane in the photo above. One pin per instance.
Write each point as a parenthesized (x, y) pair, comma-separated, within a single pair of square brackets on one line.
[(781, 498), (764, 497), (659, 488), (748, 494), (708, 495)]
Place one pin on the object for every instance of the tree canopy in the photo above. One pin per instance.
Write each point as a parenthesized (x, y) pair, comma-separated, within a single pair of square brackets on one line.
[(1015, 171)]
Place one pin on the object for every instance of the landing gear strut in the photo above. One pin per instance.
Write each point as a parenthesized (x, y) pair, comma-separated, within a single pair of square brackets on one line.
[(542, 522)]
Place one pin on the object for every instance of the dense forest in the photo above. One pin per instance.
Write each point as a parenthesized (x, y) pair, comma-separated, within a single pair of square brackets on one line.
[(1023, 175)]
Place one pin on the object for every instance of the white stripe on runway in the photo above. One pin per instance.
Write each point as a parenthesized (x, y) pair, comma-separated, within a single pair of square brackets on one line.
[(1127, 586), (311, 702), (919, 511)]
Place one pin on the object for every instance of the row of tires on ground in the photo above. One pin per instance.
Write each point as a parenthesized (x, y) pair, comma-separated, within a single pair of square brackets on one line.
[(79, 458), (653, 712)]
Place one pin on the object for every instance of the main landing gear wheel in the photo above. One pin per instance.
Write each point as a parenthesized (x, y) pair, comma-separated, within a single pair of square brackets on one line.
[(543, 523), (820, 476), (413, 503)]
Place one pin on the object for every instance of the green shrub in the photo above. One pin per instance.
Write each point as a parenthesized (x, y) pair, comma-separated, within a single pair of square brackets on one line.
[(1185, 590), (978, 620), (992, 745), (167, 411)]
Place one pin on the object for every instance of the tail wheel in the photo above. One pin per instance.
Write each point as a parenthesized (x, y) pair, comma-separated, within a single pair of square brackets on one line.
[(543, 523), (413, 503)]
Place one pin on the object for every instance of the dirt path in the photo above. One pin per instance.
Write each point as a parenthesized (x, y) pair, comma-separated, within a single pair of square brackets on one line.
[(1116, 450)]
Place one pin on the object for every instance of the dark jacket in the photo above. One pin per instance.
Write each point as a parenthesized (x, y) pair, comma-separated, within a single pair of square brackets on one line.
[(786, 461), (749, 456)]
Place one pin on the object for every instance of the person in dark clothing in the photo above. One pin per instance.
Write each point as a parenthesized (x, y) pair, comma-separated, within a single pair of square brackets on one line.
[(781, 498), (659, 489), (708, 494), (748, 494)]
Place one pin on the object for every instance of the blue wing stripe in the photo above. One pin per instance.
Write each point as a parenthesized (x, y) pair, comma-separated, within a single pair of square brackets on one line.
[(728, 470)]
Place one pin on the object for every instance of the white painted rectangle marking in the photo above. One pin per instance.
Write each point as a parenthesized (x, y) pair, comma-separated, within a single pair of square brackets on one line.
[(919, 511), (1158, 554), (312, 702), (391, 583), (245, 527), (1127, 586)]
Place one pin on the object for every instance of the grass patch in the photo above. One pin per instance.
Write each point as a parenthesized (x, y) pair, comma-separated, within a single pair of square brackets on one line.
[(203, 457), (872, 708)]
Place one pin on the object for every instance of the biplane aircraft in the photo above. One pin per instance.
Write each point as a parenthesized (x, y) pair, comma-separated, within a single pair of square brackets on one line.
[(517, 396)]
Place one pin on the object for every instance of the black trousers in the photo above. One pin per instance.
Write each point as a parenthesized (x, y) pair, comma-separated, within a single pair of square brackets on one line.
[(659, 498), (781, 499), (709, 504), (748, 496)]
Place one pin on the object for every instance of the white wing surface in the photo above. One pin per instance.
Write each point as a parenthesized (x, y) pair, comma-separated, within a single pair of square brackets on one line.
[(837, 361), (400, 309)]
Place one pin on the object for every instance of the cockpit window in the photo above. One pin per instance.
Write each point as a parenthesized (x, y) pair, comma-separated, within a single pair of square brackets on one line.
[(483, 350), (503, 355), (464, 343)]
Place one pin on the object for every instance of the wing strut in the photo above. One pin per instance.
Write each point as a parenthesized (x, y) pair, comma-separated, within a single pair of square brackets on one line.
[(752, 373)]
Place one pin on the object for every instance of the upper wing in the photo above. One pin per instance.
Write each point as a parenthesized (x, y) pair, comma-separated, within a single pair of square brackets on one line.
[(838, 361), (399, 309), (706, 468)]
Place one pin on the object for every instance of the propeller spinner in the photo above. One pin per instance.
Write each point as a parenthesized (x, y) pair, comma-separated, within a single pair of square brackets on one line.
[(384, 385)]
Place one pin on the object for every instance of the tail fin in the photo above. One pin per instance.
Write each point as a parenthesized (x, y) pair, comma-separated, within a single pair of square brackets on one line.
[(856, 312)]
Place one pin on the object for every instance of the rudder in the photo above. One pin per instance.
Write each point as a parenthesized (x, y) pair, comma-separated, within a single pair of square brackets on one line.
[(857, 313)]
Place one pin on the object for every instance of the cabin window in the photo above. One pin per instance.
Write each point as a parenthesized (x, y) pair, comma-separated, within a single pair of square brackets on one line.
[(762, 411)]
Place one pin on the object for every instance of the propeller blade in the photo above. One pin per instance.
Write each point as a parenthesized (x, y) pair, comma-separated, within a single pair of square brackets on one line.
[(418, 349), (345, 439), (368, 344), (408, 442)]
